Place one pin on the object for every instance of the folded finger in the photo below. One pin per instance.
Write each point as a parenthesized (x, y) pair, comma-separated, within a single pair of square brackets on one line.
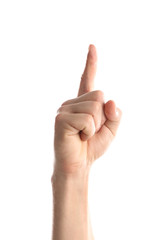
[(96, 95), (72, 124), (93, 108)]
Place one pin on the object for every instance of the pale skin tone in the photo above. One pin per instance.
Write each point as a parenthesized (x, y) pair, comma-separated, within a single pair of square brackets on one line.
[(84, 128)]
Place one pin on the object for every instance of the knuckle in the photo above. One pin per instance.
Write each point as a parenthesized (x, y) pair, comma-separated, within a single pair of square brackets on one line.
[(66, 102), (59, 109), (59, 118), (62, 109), (99, 96)]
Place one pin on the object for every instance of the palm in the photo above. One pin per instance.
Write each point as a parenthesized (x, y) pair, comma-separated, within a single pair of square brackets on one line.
[(86, 152)]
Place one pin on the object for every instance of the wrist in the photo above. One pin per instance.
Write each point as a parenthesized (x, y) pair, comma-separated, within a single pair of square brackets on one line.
[(77, 180), (80, 174)]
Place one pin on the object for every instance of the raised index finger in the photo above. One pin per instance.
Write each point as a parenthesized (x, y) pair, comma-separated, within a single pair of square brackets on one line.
[(87, 79)]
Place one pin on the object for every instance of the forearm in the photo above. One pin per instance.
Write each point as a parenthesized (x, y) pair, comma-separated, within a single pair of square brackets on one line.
[(70, 207)]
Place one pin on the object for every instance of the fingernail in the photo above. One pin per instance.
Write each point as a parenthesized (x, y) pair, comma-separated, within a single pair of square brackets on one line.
[(117, 112), (91, 49), (92, 54)]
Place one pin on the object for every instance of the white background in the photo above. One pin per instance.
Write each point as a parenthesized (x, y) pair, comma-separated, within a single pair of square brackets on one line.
[(43, 48)]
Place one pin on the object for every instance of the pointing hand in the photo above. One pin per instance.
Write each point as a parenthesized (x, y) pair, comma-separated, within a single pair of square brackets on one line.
[(84, 126)]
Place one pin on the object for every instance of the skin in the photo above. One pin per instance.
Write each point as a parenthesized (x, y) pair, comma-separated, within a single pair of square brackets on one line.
[(84, 128)]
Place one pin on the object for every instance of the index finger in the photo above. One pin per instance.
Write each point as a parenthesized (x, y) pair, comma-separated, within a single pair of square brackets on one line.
[(87, 79)]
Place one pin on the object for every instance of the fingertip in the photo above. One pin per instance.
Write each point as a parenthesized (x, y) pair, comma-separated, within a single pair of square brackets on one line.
[(111, 111), (92, 53), (84, 137), (91, 47)]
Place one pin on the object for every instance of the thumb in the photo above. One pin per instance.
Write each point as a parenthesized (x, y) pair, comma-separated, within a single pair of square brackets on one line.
[(87, 79), (113, 115)]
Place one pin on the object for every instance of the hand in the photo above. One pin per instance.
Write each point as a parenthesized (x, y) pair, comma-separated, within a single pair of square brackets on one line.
[(84, 126)]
